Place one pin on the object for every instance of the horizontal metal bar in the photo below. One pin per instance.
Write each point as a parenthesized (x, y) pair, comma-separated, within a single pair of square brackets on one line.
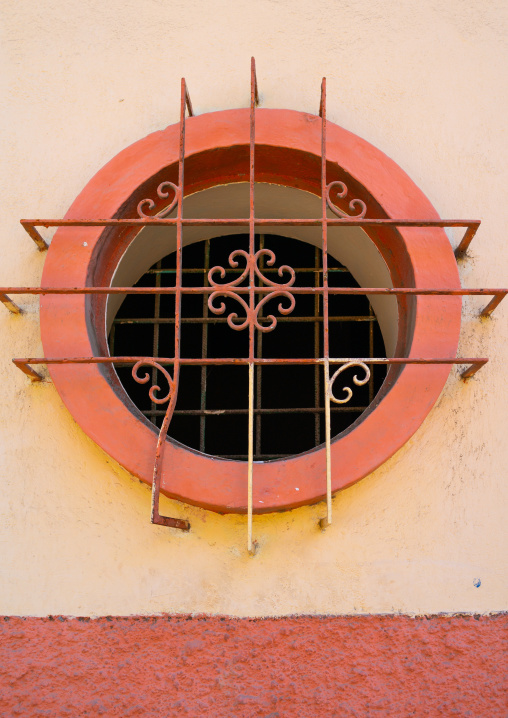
[(245, 361), (23, 363), (266, 270), (227, 412), (223, 320), (471, 225), (244, 222), (424, 291), (257, 457), (497, 293), (245, 290)]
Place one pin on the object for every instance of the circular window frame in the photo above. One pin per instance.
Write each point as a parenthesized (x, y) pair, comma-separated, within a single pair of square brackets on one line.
[(287, 153)]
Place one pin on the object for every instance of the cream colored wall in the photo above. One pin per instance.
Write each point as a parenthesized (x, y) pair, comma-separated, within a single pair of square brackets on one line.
[(421, 80)]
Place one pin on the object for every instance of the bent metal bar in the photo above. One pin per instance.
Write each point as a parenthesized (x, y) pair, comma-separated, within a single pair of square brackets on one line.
[(251, 289)]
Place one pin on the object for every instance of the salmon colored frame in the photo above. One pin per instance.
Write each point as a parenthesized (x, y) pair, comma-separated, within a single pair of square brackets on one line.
[(217, 152)]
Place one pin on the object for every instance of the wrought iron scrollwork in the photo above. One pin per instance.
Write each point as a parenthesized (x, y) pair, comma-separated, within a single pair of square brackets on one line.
[(170, 397), (357, 205), (356, 380), (228, 290), (163, 193), (155, 387)]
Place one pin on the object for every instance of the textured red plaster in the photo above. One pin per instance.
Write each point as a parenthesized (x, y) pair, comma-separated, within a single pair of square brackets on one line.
[(359, 666)]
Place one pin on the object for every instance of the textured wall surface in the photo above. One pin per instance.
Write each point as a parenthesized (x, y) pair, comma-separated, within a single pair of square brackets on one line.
[(426, 532), (275, 668)]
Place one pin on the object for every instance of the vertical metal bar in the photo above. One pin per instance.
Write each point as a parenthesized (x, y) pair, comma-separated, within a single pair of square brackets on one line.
[(112, 333), (252, 300), (317, 331), (250, 459), (252, 248), (204, 351), (155, 345), (371, 354), (326, 339), (328, 519), (161, 441), (259, 354)]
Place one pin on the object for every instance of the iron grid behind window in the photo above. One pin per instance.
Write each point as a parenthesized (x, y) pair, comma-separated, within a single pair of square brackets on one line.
[(212, 409)]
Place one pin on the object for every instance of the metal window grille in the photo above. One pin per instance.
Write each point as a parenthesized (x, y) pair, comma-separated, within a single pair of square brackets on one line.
[(211, 412), (251, 297)]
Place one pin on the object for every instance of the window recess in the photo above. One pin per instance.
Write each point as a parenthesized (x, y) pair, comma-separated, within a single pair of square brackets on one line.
[(212, 407)]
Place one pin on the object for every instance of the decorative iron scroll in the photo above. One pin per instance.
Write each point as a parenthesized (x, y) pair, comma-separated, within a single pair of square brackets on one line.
[(171, 396), (155, 387), (356, 380), (251, 271), (341, 193), (162, 191)]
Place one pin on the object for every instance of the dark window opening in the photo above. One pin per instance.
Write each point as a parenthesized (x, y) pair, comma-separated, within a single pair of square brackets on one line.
[(211, 413)]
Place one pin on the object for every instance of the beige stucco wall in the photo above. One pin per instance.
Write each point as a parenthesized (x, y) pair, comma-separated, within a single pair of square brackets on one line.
[(424, 81)]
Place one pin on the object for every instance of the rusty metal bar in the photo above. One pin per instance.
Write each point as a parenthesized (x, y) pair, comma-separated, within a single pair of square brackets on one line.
[(466, 240), (223, 361), (251, 545), (204, 351), (25, 362), (254, 99), (243, 457), (259, 353), (29, 227), (266, 270), (27, 369), (252, 236), (161, 440), (188, 102), (11, 306), (156, 328), (471, 225), (498, 297), (317, 418), (244, 222), (220, 412), (324, 522), (498, 293), (261, 319), (112, 337), (475, 366), (254, 81), (295, 290), (371, 353), (327, 520)]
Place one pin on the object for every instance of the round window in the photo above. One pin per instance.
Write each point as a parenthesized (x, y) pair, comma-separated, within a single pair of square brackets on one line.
[(211, 413), (288, 168)]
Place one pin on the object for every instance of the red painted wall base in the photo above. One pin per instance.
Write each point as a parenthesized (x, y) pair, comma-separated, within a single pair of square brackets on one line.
[(303, 666)]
